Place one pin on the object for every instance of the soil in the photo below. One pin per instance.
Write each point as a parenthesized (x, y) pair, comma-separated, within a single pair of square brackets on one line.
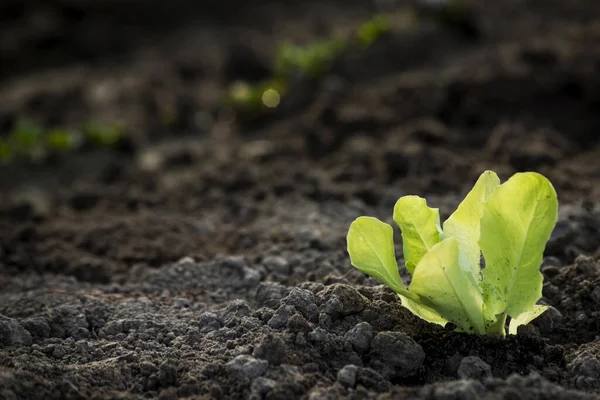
[(206, 257)]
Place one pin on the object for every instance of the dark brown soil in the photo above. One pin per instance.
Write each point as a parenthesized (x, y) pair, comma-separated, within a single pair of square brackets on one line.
[(205, 258)]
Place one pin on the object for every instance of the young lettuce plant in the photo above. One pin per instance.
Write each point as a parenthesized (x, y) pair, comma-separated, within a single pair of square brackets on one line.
[(509, 224)]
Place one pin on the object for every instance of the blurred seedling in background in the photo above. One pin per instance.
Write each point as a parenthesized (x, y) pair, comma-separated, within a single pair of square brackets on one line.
[(103, 134), (291, 63), (251, 102), (254, 98), (26, 136), (62, 140), (373, 29), (6, 153), (309, 62), (29, 139)]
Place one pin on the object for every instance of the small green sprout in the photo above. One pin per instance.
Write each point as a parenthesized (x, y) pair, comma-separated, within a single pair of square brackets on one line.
[(103, 134), (26, 136), (311, 61), (509, 224), (373, 29), (257, 98), (61, 140), (6, 152), (29, 139)]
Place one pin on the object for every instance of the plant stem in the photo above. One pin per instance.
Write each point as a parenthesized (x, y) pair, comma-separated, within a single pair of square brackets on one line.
[(497, 328)]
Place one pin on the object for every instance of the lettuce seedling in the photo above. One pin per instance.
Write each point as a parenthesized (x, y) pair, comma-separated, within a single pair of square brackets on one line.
[(506, 224), (243, 96), (373, 29), (103, 134), (312, 60), (26, 136), (61, 140), (6, 151)]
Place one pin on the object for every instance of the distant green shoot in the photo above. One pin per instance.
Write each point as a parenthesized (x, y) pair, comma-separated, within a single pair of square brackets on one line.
[(62, 140), (312, 60), (31, 140), (26, 135), (509, 224), (6, 152), (103, 134), (373, 29), (254, 97), (309, 62)]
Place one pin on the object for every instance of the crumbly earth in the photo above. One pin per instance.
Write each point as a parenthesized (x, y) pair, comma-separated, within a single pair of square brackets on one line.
[(205, 258)]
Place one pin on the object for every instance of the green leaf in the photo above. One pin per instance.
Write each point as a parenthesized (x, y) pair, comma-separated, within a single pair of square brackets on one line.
[(525, 318), (420, 227), (6, 151), (61, 140), (26, 135), (464, 223), (516, 224), (422, 311), (103, 134), (373, 29), (440, 283), (371, 248)]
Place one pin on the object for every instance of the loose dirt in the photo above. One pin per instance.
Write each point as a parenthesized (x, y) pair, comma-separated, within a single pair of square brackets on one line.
[(205, 258)]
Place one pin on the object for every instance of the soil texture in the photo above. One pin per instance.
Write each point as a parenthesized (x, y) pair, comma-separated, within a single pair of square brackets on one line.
[(205, 257)]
